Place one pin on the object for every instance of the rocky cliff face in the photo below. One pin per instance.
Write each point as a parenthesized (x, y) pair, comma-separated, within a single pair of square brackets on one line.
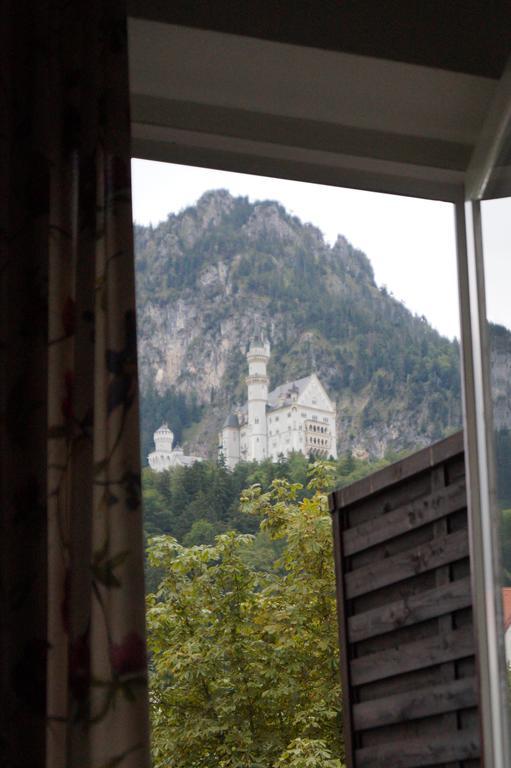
[(215, 274)]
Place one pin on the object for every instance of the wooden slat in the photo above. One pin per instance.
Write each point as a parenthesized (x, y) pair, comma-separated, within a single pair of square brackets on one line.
[(402, 707), (402, 613), (403, 519), (416, 753), (412, 656), (386, 479), (446, 673), (342, 624), (406, 564)]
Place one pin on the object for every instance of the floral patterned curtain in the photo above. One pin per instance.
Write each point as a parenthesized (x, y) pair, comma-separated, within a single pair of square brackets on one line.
[(73, 651)]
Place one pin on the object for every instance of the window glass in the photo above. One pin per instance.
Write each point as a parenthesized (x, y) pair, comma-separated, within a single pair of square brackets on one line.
[(496, 218)]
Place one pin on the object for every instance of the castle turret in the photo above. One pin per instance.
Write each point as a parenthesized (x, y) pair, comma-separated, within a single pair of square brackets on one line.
[(163, 439), (164, 456), (257, 382), (230, 441), (159, 458)]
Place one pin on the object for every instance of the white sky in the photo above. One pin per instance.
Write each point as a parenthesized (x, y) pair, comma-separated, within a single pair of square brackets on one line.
[(496, 218), (410, 242)]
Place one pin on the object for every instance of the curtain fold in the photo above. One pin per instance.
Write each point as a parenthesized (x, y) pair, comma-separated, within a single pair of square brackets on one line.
[(74, 687)]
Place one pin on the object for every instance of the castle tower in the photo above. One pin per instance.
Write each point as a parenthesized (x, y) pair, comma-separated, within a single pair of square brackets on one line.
[(230, 441), (163, 439), (159, 458), (257, 381)]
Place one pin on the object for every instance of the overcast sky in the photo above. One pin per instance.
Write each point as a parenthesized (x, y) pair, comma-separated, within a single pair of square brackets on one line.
[(496, 218), (410, 242)]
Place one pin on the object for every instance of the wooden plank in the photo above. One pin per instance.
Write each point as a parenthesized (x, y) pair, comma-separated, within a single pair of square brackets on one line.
[(447, 672), (402, 707), (412, 656), (348, 730), (425, 605), (404, 565), (415, 753), (406, 518), (397, 473)]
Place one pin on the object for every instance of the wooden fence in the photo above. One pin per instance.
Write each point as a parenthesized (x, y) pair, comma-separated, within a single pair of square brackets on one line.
[(405, 614)]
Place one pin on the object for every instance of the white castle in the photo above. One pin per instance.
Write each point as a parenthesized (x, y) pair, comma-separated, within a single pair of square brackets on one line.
[(164, 455), (296, 416)]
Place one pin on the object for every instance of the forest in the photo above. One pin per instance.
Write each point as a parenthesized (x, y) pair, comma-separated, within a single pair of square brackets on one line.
[(195, 504), (244, 655), (241, 614)]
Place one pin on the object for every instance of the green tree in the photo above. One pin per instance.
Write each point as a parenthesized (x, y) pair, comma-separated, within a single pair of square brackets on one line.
[(201, 532), (505, 544), (245, 660)]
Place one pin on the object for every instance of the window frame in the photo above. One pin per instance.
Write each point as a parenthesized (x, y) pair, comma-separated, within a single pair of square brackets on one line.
[(471, 305)]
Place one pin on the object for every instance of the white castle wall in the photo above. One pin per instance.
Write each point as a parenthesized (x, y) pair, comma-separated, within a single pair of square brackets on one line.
[(299, 420)]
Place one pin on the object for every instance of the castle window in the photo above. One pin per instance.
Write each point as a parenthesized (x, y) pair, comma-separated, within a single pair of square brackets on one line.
[(256, 421), (289, 414), (314, 418), (304, 415), (325, 419)]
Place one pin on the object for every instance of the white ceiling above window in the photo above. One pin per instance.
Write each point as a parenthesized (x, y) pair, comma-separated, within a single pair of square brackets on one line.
[(245, 104)]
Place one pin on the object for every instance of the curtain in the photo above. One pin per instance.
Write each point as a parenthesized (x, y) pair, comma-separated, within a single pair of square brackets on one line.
[(73, 649)]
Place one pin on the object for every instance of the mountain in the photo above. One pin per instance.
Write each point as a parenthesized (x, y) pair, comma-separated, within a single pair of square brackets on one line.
[(213, 275)]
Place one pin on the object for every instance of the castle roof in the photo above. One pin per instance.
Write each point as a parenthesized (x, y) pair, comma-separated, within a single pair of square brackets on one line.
[(231, 421), (283, 392)]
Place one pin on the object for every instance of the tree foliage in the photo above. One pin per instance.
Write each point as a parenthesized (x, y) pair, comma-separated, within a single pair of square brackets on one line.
[(195, 504), (245, 660), (178, 500), (503, 465)]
